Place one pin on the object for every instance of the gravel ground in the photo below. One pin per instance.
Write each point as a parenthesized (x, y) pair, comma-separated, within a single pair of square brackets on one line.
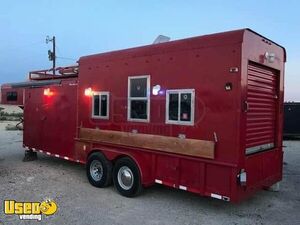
[(11, 109), (81, 203)]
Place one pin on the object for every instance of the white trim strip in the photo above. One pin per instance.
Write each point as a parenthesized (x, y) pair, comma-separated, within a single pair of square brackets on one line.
[(216, 196), (40, 151), (158, 181), (181, 187), (33, 149), (56, 155), (48, 153), (66, 158)]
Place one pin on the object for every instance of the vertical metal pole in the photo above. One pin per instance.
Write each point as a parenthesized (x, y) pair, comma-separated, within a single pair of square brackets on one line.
[(54, 55)]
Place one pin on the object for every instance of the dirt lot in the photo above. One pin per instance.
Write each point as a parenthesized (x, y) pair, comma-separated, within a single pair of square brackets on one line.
[(80, 203)]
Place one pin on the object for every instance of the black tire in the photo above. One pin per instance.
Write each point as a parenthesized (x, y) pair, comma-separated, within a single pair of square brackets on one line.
[(135, 187), (106, 178)]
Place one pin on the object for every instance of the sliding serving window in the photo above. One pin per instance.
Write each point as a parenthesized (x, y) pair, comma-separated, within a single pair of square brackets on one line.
[(180, 106), (100, 106), (139, 98)]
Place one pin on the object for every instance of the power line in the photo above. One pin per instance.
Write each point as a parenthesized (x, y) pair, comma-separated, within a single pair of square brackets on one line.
[(62, 57), (58, 49), (66, 58)]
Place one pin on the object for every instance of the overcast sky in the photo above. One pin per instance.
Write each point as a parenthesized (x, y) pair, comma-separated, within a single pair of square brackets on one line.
[(87, 27)]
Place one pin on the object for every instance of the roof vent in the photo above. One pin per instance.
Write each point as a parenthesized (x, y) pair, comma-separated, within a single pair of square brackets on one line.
[(161, 39)]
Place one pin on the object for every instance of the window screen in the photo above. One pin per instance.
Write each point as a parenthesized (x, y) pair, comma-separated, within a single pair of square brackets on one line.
[(173, 106), (138, 109), (96, 105), (185, 106), (138, 98), (103, 105), (138, 87), (180, 106)]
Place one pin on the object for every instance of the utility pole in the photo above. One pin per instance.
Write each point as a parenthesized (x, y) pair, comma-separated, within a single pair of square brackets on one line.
[(52, 54)]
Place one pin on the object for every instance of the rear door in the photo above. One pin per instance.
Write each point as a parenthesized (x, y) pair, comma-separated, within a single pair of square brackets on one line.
[(262, 102)]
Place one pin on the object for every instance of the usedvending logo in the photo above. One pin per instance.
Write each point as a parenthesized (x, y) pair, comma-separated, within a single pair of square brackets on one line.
[(30, 210)]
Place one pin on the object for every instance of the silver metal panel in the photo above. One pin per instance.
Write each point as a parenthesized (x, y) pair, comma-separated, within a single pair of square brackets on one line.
[(259, 148), (34, 83)]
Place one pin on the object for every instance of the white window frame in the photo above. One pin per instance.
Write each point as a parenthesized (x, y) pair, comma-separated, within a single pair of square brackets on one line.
[(179, 92), (138, 98), (100, 93)]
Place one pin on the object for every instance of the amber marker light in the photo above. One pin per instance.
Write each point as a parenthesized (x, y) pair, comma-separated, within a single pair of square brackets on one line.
[(48, 92), (88, 92)]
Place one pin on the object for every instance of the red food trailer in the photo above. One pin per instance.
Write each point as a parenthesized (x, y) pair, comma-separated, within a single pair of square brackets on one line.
[(202, 114)]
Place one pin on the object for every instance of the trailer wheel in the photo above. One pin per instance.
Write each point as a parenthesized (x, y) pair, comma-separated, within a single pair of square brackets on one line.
[(99, 170), (127, 178)]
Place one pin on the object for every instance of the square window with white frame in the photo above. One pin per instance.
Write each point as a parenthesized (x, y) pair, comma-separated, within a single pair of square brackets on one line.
[(139, 98), (100, 105), (180, 106)]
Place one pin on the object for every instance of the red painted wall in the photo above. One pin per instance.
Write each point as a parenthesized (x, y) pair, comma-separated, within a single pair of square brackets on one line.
[(50, 121)]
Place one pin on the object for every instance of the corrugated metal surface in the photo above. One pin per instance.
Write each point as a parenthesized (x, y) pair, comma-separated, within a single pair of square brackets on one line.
[(261, 113)]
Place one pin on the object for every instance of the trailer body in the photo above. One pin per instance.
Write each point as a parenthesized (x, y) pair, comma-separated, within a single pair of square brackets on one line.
[(202, 114)]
